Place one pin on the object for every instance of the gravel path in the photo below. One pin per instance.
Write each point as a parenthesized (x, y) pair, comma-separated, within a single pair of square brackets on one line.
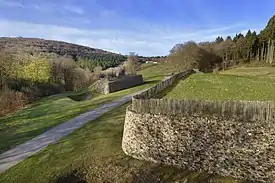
[(25, 150)]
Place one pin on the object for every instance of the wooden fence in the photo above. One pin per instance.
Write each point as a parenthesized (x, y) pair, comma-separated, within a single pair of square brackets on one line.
[(241, 110), (162, 85)]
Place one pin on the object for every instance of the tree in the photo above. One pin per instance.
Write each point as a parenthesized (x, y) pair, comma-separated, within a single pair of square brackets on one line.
[(97, 71), (227, 48), (132, 65), (237, 37), (191, 56), (266, 38), (219, 40), (251, 44), (176, 48)]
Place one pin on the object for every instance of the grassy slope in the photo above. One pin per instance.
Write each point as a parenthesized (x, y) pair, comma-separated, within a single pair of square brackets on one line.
[(35, 119), (261, 72), (225, 87), (96, 150)]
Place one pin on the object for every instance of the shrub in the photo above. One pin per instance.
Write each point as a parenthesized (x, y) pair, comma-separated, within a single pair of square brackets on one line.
[(191, 56), (80, 79), (11, 101)]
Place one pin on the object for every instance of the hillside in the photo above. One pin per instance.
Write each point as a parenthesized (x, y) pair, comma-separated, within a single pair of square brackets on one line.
[(31, 45), (78, 52), (95, 56)]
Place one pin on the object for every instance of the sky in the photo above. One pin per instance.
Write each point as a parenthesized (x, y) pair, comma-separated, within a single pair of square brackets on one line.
[(147, 27)]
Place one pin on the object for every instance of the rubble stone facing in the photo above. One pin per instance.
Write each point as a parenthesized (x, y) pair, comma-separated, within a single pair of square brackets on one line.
[(213, 144), (105, 86)]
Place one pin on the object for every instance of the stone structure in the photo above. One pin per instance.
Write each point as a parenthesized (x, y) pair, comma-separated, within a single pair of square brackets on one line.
[(212, 144), (233, 138), (105, 86)]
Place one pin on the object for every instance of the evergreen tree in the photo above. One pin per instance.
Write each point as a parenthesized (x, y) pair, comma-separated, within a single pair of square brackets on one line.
[(219, 40)]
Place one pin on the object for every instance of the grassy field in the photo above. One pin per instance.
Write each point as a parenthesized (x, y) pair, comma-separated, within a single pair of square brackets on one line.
[(51, 111), (94, 153), (261, 72), (249, 86)]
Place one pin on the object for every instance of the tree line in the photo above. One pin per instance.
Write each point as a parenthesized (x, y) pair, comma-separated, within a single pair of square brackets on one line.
[(100, 60), (229, 51), (25, 78)]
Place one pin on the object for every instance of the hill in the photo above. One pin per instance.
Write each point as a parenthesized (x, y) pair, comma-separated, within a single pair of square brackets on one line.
[(96, 56), (31, 45), (78, 52)]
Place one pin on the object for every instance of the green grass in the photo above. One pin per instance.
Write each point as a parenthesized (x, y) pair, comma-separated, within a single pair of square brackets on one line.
[(261, 72), (225, 87), (95, 150), (51, 111)]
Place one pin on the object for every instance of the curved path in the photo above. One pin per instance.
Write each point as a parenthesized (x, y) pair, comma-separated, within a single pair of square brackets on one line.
[(25, 150)]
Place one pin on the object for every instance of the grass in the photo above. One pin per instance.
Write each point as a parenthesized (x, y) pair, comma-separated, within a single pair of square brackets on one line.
[(261, 72), (51, 111), (249, 86), (94, 153)]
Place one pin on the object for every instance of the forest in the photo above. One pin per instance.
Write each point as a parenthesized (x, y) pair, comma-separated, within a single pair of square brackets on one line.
[(224, 53)]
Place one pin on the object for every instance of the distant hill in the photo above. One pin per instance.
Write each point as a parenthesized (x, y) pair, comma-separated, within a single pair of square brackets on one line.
[(50, 46), (94, 55)]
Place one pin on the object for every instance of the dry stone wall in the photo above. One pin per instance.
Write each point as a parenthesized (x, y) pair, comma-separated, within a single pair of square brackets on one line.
[(213, 144)]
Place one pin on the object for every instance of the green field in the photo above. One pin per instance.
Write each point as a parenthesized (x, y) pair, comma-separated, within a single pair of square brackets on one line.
[(261, 72), (225, 87)]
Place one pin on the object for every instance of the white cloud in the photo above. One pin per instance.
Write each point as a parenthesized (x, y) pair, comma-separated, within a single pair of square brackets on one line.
[(42, 6), (153, 42), (74, 9)]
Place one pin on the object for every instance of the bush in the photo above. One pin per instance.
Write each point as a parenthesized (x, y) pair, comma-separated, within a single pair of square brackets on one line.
[(192, 56), (113, 72), (11, 101), (30, 77), (80, 79)]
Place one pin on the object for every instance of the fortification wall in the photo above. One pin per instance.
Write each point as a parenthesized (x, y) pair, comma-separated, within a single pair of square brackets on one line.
[(213, 144), (104, 86), (126, 82), (230, 138)]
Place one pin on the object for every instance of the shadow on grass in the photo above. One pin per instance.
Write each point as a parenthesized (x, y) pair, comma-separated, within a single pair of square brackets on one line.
[(73, 177), (81, 97), (147, 173)]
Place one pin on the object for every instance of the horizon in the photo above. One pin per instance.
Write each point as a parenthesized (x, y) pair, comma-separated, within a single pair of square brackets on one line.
[(148, 28)]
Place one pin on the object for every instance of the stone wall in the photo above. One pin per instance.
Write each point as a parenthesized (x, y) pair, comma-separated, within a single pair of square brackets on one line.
[(228, 138), (126, 82), (205, 143), (104, 86)]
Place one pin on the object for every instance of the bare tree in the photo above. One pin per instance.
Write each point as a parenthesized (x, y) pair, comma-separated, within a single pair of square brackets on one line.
[(131, 65), (190, 56)]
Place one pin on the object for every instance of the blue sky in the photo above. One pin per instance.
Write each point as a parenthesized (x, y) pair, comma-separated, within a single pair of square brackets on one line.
[(147, 27)]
